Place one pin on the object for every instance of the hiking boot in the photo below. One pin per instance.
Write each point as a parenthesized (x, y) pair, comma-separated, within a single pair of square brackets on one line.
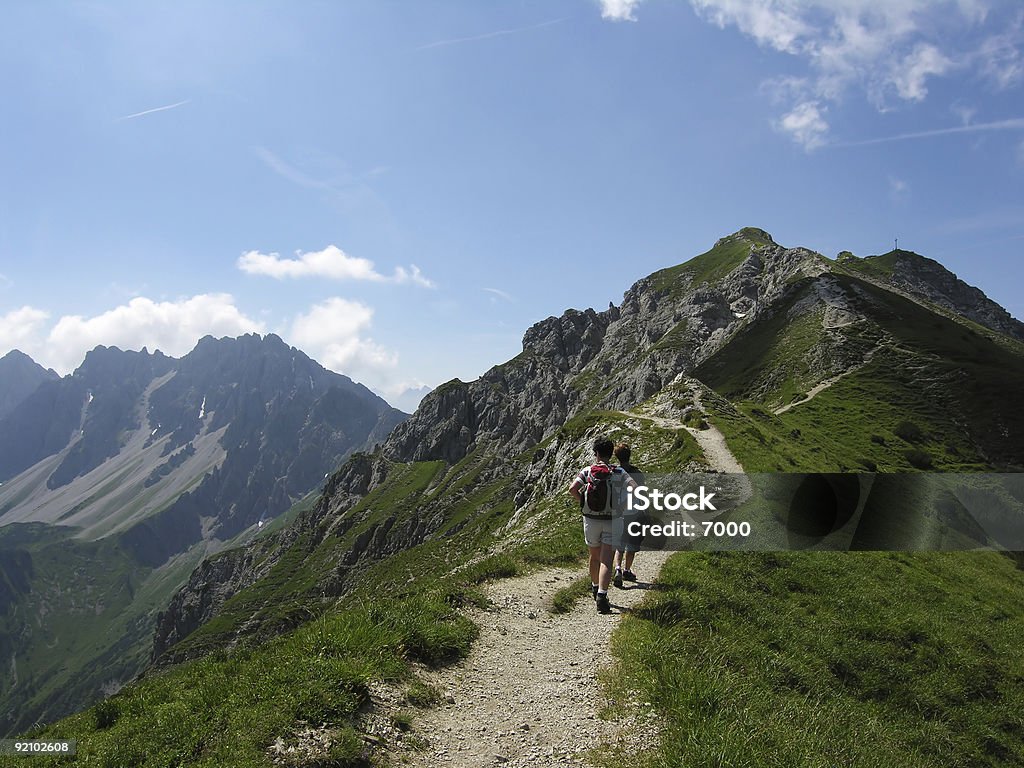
[(617, 581), (603, 606), (629, 575)]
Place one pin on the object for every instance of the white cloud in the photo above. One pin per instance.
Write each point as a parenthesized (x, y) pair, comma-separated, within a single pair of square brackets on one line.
[(619, 10), (806, 124), (910, 75), (332, 333), (22, 329), (769, 23), (412, 275), (1000, 56), (964, 112), (890, 50), (173, 327), (331, 262), (5, 281)]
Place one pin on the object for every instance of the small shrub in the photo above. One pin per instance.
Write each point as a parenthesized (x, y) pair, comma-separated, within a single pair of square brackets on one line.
[(494, 567), (878, 440), (107, 713), (402, 721), (918, 459), (909, 431), (566, 597), (421, 694)]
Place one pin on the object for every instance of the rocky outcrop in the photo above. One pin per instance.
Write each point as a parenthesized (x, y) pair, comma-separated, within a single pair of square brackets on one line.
[(20, 376), (927, 279)]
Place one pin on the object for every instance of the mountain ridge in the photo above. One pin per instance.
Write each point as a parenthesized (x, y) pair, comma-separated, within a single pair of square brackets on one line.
[(791, 362), (675, 324)]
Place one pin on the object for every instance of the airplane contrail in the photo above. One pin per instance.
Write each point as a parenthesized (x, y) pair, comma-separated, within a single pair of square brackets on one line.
[(155, 109), (488, 35), (1013, 124)]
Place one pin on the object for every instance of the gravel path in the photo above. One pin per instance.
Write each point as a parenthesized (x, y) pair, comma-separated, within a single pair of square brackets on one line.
[(529, 692)]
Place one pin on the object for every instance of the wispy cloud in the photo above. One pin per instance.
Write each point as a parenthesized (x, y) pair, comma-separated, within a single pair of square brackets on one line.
[(891, 51), (331, 262), (487, 35), (288, 171), (806, 124), (1014, 124), (499, 293), (899, 190), (5, 281), (155, 109)]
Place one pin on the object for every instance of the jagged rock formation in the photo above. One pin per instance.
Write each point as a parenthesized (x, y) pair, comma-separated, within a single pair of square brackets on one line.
[(753, 320), (20, 376), (926, 279)]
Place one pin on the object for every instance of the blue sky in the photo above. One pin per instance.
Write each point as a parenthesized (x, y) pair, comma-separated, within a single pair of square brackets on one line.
[(401, 188)]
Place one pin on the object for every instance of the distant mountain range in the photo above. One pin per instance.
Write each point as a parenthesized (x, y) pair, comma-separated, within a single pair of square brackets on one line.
[(118, 478)]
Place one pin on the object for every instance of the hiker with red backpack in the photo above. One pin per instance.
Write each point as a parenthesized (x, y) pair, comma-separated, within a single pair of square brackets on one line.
[(601, 489)]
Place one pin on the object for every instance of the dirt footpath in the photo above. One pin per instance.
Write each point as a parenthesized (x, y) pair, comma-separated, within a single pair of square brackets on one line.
[(529, 692)]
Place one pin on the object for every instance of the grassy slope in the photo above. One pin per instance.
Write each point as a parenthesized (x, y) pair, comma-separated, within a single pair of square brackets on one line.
[(711, 265), (70, 650), (795, 659), (227, 708), (942, 376), (823, 659)]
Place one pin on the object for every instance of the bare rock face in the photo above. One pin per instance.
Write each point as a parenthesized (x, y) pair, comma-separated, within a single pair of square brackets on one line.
[(20, 376), (927, 279)]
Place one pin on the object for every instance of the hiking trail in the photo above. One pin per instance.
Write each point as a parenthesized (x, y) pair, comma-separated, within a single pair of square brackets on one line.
[(529, 693)]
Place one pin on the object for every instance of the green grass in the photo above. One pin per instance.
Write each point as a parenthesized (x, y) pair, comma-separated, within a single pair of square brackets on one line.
[(225, 710), (711, 265), (566, 598), (826, 659), (938, 374), (65, 647), (771, 362)]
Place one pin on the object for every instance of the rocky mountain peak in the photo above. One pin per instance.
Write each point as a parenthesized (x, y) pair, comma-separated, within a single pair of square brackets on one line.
[(753, 235), (20, 376)]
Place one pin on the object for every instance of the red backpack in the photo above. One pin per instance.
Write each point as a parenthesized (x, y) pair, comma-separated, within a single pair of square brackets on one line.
[(597, 493)]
